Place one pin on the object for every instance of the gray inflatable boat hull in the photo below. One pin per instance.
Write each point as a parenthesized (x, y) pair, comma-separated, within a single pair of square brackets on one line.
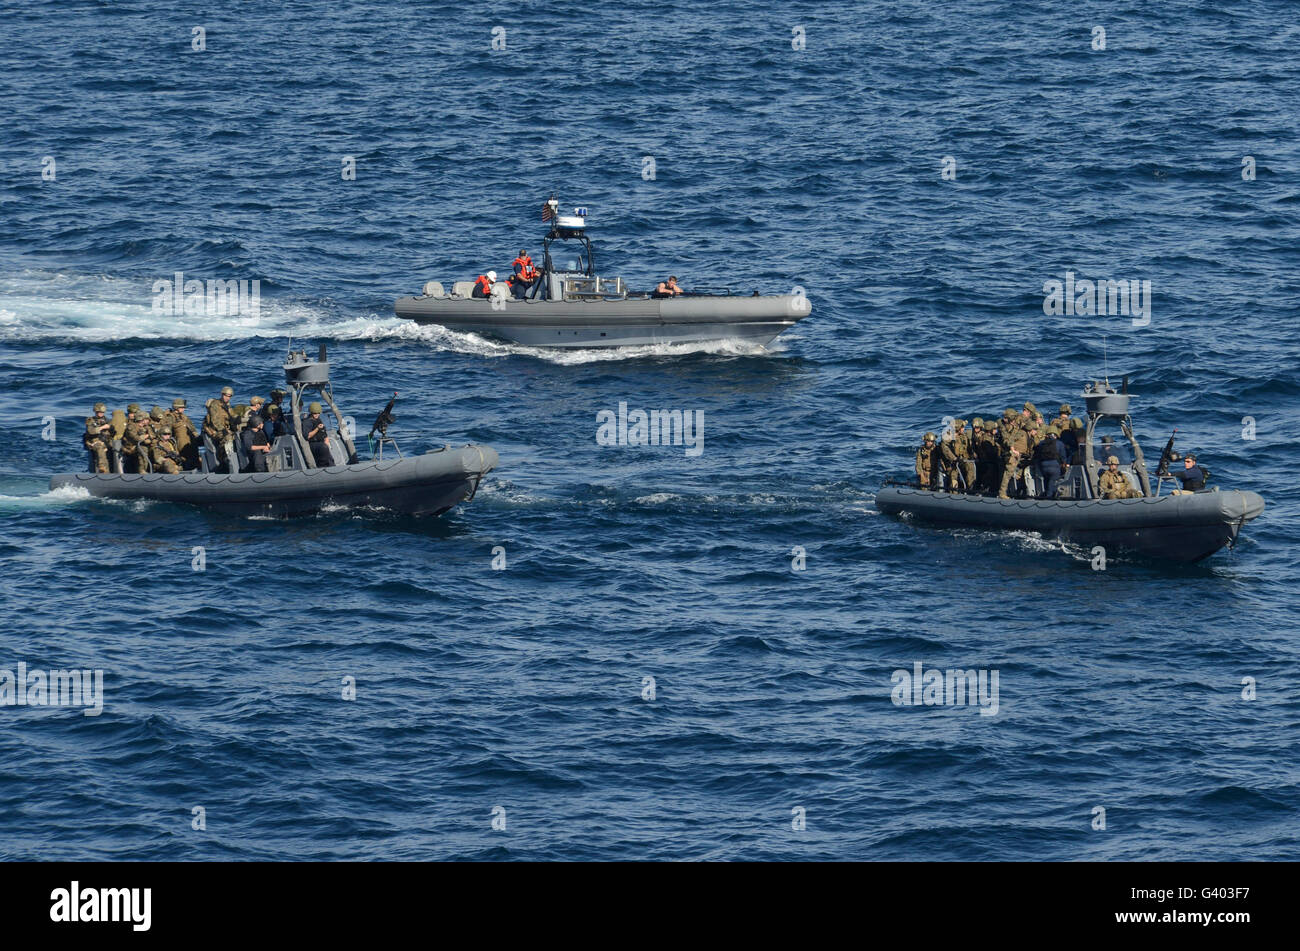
[(1182, 528), (613, 323), (414, 485)]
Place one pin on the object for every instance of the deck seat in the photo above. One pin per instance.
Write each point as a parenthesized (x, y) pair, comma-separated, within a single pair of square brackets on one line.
[(462, 289), (433, 289)]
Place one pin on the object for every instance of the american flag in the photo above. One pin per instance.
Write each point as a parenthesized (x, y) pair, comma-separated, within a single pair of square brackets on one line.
[(547, 212)]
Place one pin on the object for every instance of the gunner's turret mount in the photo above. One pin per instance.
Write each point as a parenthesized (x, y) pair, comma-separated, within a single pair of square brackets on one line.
[(1103, 400), (300, 370)]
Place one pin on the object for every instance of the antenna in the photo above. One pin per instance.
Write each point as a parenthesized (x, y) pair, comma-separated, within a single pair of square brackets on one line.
[(1105, 359)]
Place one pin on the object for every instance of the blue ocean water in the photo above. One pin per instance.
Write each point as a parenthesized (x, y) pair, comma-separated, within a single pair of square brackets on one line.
[(527, 688)]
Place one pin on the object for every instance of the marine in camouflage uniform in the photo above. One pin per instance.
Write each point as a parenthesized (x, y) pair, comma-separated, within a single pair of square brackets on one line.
[(1015, 454), (1063, 418), (1079, 435), (965, 454), (947, 463), (99, 431), (137, 437), (1069, 439), (163, 453), (1113, 485), (954, 451), (243, 412), (128, 434), (1034, 433), (219, 426), (1010, 420), (927, 462), (184, 434), (275, 402)]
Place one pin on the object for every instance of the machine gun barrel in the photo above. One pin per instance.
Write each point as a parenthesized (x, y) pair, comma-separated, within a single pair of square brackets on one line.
[(384, 418), (1166, 456)]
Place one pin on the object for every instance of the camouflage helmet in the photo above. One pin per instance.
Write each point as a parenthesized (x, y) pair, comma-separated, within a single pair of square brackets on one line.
[(1112, 460), (277, 395), (164, 433), (227, 391), (1053, 429), (274, 410), (959, 424), (929, 437), (1008, 413), (1065, 407), (314, 408), (1031, 407), (133, 409), (156, 414), (978, 423), (178, 403), (100, 408), (256, 401)]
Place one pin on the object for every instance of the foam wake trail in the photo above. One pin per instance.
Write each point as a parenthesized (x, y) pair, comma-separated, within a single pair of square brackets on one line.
[(38, 307), (440, 338), (96, 309)]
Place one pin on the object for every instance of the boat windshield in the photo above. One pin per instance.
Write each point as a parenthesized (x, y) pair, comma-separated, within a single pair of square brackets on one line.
[(1109, 440), (568, 256)]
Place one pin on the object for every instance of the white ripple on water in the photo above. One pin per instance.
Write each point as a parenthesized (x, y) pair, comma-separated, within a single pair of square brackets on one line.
[(63, 495)]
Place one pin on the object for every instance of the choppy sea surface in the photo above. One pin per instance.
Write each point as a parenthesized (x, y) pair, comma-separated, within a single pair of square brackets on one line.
[(523, 695)]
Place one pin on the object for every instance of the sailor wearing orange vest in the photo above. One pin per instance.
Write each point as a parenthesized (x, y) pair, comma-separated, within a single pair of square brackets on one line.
[(526, 277), (483, 284)]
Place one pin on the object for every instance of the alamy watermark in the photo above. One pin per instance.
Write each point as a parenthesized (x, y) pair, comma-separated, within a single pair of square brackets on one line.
[(658, 427), (53, 688), (945, 688), (1101, 298), (213, 298), (77, 903)]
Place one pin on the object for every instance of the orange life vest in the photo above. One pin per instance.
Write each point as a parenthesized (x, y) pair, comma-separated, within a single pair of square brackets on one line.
[(484, 284), (526, 269)]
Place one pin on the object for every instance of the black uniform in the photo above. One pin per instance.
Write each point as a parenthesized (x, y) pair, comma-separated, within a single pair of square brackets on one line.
[(1192, 479), (315, 431), (1049, 460), (256, 457)]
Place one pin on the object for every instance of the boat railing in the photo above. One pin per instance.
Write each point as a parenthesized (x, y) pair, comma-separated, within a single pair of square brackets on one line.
[(587, 287)]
